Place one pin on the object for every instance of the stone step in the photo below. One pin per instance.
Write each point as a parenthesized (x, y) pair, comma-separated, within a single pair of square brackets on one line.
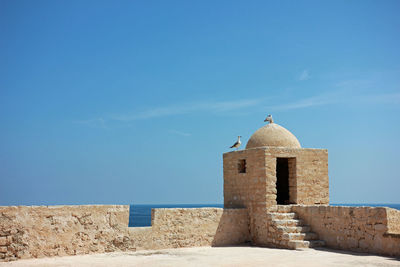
[(300, 236), (281, 216), (292, 222), (298, 244), (289, 231), (294, 229), (283, 208), (317, 243)]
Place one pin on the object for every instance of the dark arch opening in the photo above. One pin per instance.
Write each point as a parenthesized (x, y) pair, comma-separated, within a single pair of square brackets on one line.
[(282, 181)]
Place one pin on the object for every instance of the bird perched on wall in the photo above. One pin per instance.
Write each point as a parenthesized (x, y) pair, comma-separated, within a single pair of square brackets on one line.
[(237, 144), (269, 119)]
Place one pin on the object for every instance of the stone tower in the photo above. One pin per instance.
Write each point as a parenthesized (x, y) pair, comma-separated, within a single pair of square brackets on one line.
[(273, 170)]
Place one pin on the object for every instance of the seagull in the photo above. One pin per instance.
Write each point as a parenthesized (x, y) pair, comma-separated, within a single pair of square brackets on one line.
[(269, 119), (237, 144)]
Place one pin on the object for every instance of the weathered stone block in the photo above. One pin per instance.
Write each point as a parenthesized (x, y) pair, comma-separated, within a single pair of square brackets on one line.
[(3, 240), (380, 227)]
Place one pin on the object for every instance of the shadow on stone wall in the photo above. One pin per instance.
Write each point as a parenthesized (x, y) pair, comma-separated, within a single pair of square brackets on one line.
[(233, 228)]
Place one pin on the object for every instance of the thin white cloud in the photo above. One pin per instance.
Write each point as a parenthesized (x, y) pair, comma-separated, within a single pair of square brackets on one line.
[(302, 103), (336, 98), (222, 106), (392, 98), (354, 84), (341, 94), (179, 133), (305, 75), (98, 122)]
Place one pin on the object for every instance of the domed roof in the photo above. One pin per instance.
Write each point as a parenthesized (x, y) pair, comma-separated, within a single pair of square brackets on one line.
[(273, 135)]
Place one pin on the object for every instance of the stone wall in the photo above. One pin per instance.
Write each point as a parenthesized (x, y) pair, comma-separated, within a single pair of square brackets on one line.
[(364, 229), (393, 216), (249, 189), (45, 231), (312, 176), (255, 189), (308, 177), (292, 180), (42, 231), (175, 228)]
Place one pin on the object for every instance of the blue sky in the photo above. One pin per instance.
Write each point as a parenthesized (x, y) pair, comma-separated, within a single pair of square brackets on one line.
[(135, 101)]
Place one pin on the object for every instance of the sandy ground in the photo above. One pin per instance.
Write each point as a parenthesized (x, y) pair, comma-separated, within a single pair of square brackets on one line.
[(225, 256)]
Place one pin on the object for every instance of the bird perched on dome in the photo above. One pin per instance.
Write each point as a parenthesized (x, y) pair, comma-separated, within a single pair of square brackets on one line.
[(269, 119), (237, 144)]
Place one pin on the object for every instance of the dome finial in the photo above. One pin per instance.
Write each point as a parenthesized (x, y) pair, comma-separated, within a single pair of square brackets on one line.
[(272, 135), (269, 119)]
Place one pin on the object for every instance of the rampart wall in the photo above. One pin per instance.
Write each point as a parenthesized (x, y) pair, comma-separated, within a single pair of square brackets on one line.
[(363, 229), (46, 231)]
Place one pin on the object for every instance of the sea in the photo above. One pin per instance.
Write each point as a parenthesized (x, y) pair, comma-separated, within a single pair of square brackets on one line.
[(140, 215)]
